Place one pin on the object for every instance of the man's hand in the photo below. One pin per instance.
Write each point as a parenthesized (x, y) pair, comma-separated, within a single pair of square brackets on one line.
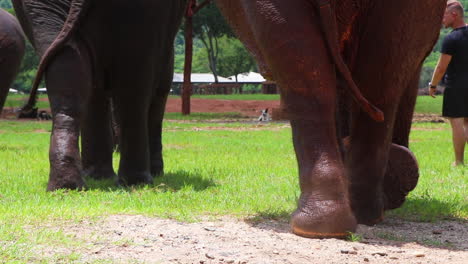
[(432, 91)]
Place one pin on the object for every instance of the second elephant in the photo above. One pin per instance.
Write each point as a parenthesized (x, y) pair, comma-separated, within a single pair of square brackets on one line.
[(12, 49), (94, 51)]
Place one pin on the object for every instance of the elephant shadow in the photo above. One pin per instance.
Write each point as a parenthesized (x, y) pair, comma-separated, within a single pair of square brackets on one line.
[(170, 182)]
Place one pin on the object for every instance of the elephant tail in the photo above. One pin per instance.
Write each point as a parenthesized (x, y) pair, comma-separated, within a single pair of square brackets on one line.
[(77, 11), (327, 19)]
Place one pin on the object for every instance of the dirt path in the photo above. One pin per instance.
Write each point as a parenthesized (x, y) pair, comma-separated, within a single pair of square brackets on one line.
[(139, 239), (248, 108)]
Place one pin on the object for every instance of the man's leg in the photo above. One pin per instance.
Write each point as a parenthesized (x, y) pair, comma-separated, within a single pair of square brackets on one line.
[(459, 139), (465, 125)]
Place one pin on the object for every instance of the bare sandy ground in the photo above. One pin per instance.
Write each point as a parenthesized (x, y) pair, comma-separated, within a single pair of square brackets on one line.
[(139, 239)]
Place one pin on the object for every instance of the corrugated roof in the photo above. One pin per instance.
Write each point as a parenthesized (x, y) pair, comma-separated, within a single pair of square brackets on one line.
[(200, 78), (248, 77)]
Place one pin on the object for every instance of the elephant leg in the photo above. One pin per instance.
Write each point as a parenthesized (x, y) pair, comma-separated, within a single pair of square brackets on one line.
[(10, 60), (389, 57), (402, 172), (156, 114), (97, 139), (131, 99), (302, 67), (366, 160), (68, 84)]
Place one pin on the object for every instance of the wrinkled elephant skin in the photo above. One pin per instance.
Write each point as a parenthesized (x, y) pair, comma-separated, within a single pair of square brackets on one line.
[(94, 53), (11, 52), (383, 44)]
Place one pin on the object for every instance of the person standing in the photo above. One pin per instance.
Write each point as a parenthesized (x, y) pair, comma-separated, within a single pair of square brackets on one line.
[(453, 64)]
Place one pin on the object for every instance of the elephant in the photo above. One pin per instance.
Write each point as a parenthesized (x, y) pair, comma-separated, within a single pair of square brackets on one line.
[(94, 53), (353, 156), (12, 48)]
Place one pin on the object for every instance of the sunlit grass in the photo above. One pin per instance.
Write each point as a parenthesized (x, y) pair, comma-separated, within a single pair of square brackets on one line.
[(429, 105), (213, 168)]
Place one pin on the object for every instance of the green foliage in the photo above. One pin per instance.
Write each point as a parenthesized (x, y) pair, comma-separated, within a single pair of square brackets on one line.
[(6, 4), (28, 70), (233, 58)]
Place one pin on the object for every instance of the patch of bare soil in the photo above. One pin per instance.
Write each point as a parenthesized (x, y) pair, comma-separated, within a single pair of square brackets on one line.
[(432, 118), (250, 108), (139, 239)]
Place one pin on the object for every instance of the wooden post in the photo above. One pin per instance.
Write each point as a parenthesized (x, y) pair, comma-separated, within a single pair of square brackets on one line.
[(192, 9)]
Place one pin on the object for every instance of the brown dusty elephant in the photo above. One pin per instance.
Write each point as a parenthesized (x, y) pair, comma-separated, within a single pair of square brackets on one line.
[(12, 48), (322, 53), (317, 51), (94, 51)]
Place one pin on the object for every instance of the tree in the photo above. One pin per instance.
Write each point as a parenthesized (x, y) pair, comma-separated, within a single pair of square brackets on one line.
[(28, 69), (233, 57), (208, 26), (193, 7), (6, 4)]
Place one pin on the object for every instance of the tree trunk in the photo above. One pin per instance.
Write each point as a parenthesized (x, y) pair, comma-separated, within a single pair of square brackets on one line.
[(187, 86)]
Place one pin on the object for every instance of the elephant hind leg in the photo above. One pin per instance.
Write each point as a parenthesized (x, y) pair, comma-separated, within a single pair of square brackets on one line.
[(68, 85), (402, 172), (97, 139)]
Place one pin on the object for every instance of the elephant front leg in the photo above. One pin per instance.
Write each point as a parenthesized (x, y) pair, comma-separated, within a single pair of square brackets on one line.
[(323, 208), (68, 84), (366, 162)]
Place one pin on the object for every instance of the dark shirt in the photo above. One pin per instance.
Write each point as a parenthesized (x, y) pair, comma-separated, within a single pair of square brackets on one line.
[(456, 45)]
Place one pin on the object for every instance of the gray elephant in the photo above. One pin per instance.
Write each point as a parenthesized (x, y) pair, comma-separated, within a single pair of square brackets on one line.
[(93, 52), (11, 52)]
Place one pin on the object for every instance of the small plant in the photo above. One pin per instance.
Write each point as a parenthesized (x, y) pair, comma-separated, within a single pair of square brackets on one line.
[(353, 237)]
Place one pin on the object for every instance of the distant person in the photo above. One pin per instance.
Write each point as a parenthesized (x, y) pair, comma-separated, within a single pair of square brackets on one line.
[(453, 63)]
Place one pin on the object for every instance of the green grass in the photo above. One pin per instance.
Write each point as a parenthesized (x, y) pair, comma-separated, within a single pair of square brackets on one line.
[(428, 105), (213, 168), (19, 100), (442, 189)]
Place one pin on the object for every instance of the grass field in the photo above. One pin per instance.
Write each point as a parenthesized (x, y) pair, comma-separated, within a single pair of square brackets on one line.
[(212, 169)]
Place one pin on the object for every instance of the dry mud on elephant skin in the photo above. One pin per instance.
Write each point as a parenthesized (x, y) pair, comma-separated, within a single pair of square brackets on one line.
[(140, 239)]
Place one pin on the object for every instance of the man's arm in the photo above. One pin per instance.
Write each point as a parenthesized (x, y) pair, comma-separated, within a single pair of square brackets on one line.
[(439, 72)]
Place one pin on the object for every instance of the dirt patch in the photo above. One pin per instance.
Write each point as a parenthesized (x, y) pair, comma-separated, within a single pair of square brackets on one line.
[(139, 239), (425, 118), (248, 108)]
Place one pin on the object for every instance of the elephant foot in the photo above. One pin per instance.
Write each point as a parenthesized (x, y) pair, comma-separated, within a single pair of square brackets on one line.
[(367, 208), (401, 176), (71, 183), (323, 219), (65, 173), (132, 179), (157, 169), (100, 173)]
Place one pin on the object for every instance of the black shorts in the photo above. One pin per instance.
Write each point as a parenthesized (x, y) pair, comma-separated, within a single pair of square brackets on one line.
[(455, 102)]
